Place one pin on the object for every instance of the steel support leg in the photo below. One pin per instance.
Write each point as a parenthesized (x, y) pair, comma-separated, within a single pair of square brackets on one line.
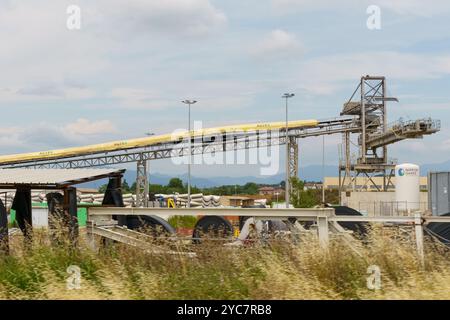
[(70, 212), (141, 184), (293, 157)]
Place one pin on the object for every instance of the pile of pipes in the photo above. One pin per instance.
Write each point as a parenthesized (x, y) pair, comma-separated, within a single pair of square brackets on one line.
[(94, 198), (97, 198), (8, 197), (198, 200), (211, 201)]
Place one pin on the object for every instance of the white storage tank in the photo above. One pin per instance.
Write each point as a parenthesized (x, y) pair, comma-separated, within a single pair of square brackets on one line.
[(407, 187)]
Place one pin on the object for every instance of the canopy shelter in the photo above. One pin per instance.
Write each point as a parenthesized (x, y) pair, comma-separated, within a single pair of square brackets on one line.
[(52, 178), (62, 205)]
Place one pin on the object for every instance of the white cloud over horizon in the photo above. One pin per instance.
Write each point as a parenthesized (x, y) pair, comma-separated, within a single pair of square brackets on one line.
[(126, 71), (279, 43), (44, 134), (417, 8)]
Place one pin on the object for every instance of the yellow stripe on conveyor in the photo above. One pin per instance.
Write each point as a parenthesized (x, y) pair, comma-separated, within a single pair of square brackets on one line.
[(149, 141)]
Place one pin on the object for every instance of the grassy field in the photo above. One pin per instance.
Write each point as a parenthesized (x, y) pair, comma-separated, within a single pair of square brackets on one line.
[(277, 270)]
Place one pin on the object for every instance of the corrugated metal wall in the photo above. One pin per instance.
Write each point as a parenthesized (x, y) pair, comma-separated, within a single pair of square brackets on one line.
[(438, 193)]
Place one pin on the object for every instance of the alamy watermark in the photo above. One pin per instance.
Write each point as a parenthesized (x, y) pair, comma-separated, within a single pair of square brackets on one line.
[(374, 20), (73, 21), (243, 147), (374, 278), (73, 282)]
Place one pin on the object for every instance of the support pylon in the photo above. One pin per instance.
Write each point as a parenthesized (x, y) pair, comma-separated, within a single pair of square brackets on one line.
[(293, 157), (141, 184)]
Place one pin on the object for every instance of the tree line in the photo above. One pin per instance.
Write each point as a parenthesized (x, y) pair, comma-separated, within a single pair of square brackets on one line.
[(176, 185), (299, 197)]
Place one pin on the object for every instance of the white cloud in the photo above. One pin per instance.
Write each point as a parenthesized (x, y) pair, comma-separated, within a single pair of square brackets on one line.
[(418, 8), (45, 135), (137, 98), (168, 17), (217, 95), (326, 74), (86, 127), (42, 53), (45, 92), (278, 42)]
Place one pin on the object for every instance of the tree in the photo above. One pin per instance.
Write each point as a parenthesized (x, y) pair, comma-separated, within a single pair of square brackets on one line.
[(175, 183), (125, 187), (299, 197), (251, 188)]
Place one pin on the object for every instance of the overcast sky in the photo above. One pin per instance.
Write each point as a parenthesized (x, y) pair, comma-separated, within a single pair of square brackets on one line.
[(125, 71)]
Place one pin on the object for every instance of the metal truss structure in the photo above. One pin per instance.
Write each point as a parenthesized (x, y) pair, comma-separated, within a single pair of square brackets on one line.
[(366, 116), (293, 157), (374, 136), (206, 145), (142, 183)]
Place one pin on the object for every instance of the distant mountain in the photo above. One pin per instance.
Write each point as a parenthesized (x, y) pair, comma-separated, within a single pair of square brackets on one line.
[(308, 173)]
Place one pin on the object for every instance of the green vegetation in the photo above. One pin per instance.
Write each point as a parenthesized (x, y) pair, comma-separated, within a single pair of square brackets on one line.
[(309, 198), (175, 185), (299, 197), (125, 187), (248, 188), (276, 270), (182, 221)]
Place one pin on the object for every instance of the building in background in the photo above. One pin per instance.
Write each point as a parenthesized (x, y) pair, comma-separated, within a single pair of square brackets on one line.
[(271, 191), (312, 186), (332, 183)]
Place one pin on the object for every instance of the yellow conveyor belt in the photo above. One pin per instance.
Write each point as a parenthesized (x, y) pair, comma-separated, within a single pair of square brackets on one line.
[(150, 141)]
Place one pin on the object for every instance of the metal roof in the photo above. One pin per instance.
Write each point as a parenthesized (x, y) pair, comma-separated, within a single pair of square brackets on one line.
[(52, 178)]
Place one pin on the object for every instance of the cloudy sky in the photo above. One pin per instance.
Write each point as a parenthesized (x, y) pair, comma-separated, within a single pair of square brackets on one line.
[(124, 72)]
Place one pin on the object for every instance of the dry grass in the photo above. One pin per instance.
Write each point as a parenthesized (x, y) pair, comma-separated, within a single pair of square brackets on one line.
[(277, 270)]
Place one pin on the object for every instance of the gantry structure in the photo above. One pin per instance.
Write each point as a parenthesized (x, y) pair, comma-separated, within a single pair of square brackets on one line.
[(368, 104), (363, 115)]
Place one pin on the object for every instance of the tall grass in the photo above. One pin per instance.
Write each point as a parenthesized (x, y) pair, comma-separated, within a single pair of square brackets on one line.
[(273, 270)]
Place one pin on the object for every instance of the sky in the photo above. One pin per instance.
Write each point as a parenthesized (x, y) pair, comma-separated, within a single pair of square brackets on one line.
[(124, 72)]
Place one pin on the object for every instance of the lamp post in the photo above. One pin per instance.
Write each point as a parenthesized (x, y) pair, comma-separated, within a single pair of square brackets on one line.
[(189, 102), (286, 184), (323, 170), (147, 175)]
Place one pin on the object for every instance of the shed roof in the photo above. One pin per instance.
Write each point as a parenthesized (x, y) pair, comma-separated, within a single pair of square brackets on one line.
[(52, 178)]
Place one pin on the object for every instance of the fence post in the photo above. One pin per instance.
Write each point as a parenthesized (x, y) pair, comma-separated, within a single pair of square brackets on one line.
[(322, 228), (419, 237)]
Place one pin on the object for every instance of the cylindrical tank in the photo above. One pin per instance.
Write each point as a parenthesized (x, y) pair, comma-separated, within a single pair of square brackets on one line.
[(407, 187)]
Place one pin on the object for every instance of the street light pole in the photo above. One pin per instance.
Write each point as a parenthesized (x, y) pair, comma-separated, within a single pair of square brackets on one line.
[(323, 170), (286, 184), (189, 102)]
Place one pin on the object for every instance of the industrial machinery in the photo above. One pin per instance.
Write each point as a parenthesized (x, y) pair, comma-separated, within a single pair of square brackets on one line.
[(369, 109), (363, 115)]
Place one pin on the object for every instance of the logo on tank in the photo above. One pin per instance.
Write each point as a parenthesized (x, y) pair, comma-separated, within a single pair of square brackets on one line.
[(408, 172)]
